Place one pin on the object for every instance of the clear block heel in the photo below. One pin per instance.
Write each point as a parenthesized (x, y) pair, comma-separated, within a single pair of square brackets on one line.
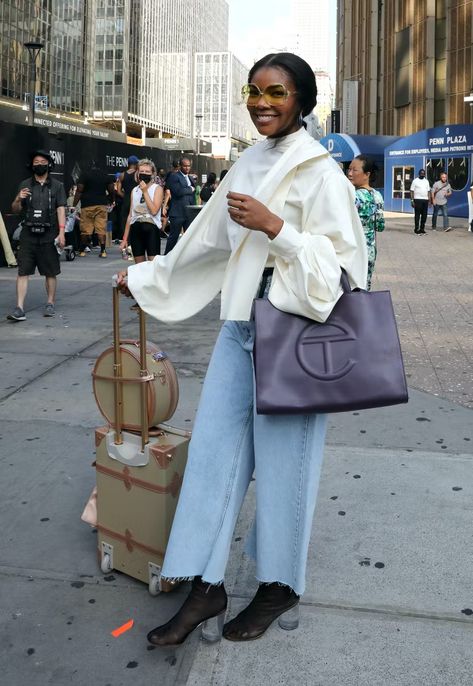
[(290, 619), (212, 628)]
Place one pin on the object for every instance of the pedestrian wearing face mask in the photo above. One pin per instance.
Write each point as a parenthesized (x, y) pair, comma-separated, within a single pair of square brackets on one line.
[(41, 201), (420, 200), (144, 219)]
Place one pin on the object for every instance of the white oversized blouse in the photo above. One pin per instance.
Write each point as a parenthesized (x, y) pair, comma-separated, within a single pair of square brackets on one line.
[(298, 180)]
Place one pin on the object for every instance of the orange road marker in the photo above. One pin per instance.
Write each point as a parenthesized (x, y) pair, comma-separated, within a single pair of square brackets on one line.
[(121, 629)]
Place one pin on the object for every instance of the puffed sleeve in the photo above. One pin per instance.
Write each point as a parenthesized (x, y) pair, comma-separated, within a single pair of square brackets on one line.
[(176, 286), (309, 258)]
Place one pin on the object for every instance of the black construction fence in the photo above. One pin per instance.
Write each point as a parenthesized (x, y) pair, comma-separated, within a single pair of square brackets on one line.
[(73, 154)]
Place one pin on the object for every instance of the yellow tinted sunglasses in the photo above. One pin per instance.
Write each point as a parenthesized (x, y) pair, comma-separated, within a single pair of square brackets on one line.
[(274, 94)]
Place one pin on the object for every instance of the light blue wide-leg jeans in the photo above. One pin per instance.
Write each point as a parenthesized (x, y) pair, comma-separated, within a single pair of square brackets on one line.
[(229, 443)]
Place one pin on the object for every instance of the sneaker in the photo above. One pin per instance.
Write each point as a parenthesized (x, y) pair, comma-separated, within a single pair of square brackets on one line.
[(49, 310), (82, 253), (449, 228), (17, 315), (103, 254), (86, 249)]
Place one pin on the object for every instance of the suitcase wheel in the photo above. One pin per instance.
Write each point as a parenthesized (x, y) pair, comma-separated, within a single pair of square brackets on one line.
[(70, 255), (106, 563), (154, 586)]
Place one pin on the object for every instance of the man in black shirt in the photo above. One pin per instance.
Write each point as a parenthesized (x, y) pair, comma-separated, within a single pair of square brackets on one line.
[(40, 200), (92, 190)]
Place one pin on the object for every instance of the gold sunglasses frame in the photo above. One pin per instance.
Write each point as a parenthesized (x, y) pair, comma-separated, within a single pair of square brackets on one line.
[(246, 97)]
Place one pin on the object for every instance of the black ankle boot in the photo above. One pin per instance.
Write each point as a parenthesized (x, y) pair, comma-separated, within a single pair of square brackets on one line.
[(270, 602), (204, 602)]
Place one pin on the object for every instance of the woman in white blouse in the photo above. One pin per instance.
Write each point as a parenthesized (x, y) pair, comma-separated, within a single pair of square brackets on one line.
[(280, 225), (144, 219)]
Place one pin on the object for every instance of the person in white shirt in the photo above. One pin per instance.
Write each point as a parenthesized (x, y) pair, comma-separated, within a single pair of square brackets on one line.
[(281, 225), (420, 200)]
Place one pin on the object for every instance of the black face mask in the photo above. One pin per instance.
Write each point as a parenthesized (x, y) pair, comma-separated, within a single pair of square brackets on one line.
[(40, 169), (145, 177)]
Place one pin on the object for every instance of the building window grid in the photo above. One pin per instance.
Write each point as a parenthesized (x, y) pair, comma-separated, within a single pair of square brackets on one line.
[(65, 86)]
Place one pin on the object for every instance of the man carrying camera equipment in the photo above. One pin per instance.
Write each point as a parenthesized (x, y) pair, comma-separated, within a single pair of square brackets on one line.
[(40, 201)]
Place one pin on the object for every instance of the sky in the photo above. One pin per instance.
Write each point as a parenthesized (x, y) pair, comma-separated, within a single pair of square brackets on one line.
[(257, 27)]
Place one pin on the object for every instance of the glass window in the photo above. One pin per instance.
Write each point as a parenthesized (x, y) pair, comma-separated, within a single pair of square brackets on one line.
[(434, 166), (458, 172), (402, 179)]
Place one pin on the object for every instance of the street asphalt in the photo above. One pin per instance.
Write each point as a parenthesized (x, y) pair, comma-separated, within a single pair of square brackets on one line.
[(389, 597)]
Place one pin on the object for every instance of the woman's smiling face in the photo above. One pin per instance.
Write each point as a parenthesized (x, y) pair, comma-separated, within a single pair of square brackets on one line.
[(272, 120)]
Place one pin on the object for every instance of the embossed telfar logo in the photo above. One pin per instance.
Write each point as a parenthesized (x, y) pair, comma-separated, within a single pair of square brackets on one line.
[(327, 362)]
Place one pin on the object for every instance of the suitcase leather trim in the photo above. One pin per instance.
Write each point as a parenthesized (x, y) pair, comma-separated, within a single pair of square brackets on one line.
[(129, 541), (173, 487), (163, 454), (100, 434)]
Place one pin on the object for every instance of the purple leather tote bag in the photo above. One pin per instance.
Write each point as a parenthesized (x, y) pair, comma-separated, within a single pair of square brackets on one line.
[(353, 361)]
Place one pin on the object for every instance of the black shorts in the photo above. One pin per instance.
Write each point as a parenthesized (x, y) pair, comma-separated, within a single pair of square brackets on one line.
[(144, 239), (44, 256)]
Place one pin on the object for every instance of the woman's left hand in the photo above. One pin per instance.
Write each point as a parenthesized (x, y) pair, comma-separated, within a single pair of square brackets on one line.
[(252, 214), (122, 283)]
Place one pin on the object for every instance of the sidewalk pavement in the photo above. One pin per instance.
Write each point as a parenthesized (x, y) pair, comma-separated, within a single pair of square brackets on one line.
[(389, 598)]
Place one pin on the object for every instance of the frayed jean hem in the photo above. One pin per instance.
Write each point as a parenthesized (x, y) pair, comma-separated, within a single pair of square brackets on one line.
[(182, 579)]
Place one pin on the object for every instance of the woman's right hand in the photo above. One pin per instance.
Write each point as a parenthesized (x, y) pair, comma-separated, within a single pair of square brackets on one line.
[(123, 244)]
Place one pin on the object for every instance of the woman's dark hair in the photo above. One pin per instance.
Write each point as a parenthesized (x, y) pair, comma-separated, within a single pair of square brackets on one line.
[(369, 166), (300, 73), (211, 179), (223, 173)]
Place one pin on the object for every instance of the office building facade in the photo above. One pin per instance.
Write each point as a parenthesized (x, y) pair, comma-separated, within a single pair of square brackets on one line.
[(149, 61), (404, 65), (59, 25), (220, 115), (324, 105), (122, 64)]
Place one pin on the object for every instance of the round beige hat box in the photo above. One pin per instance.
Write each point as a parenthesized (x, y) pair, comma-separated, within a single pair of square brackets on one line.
[(162, 385)]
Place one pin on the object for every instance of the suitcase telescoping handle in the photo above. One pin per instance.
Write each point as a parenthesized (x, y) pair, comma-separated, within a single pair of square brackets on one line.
[(117, 373)]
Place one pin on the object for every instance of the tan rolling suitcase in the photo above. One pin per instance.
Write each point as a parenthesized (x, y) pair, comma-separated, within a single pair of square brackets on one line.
[(139, 474)]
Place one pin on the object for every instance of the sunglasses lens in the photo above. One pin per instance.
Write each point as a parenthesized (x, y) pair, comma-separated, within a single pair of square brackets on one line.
[(250, 93), (276, 94)]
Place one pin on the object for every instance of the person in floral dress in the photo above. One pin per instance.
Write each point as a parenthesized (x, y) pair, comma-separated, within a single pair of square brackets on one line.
[(369, 203)]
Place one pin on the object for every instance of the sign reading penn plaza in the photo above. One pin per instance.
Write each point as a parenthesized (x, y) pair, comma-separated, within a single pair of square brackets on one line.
[(457, 138), (443, 149)]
